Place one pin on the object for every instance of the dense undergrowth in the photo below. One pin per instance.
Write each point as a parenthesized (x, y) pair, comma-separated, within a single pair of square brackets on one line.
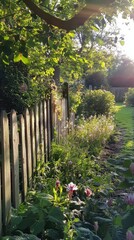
[(78, 194)]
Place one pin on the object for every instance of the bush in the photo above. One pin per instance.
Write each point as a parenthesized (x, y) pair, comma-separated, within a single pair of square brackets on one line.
[(73, 157), (97, 102), (129, 97)]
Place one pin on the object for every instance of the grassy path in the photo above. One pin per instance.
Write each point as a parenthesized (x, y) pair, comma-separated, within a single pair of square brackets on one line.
[(125, 121)]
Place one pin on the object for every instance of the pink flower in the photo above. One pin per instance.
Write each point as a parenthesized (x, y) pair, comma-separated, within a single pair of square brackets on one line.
[(132, 168), (88, 192), (71, 187), (129, 235), (57, 184), (129, 199)]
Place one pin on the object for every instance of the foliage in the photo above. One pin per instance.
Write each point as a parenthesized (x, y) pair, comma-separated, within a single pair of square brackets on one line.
[(105, 213), (129, 97), (122, 72), (70, 163), (18, 89), (96, 102), (38, 217), (96, 80)]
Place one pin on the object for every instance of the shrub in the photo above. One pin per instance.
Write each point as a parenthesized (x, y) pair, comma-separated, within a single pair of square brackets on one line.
[(72, 159), (97, 102), (129, 97)]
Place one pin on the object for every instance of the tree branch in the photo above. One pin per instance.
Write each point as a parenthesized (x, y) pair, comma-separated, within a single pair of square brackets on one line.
[(79, 19)]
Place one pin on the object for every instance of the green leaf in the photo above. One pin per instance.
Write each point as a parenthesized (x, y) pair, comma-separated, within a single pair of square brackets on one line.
[(122, 42), (25, 60), (100, 41), (118, 221), (6, 37), (55, 215), (94, 28), (108, 236), (17, 58), (37, 227), (103, 220), (103, 64)]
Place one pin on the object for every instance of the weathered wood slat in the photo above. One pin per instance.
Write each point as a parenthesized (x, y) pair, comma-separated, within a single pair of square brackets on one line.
[(15, 159), (33, 147), (45, 130), (41, 132), (0, 206), (48, 127), (37, 136), (6, 175), (28, 147), (23, 157)]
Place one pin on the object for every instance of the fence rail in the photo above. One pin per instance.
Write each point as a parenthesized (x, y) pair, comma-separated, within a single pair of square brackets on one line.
[(25, 140)]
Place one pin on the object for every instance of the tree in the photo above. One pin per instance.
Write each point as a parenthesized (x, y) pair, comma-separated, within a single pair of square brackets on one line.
[(89, 10), (123, 74)]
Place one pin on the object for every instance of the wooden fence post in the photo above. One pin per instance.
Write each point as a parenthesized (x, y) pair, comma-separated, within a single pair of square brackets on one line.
[(45, 130), (41, 132), (37, 137), (15, 159), (6, 175), (33, 146), (28, 147), (23, 157), (0, 206), (48, 128)]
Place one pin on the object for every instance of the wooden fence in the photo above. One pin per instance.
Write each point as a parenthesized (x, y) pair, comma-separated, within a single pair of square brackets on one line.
[(26, 140)]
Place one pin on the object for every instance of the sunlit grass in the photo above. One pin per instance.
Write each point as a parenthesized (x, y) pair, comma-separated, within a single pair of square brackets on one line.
[(124, 117), (125, 120)]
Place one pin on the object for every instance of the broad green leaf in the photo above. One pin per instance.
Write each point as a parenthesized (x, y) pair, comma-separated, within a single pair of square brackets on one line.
[(6, 37), (55, 215), (118, 221), (122, 42), (25, 60), (37, 227), (17, 58)]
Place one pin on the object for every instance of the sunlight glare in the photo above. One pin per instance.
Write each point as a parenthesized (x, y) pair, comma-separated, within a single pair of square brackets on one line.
[(127, 31)]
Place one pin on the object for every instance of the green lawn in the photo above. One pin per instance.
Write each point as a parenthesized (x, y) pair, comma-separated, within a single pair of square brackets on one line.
[(125, 120)]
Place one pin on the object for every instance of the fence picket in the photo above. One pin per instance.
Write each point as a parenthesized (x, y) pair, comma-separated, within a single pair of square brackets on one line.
[(15, 159), (0, 206), (28, 147), (33, 147), (48, 128), (6, 176), (45, 130), (23, 157), (37, 137), (41, 127)]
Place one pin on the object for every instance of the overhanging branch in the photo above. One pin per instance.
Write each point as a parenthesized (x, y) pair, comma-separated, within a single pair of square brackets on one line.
[(79, 19)]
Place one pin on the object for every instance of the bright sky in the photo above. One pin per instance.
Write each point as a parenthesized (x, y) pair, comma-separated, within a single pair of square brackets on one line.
[(128, 32)]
